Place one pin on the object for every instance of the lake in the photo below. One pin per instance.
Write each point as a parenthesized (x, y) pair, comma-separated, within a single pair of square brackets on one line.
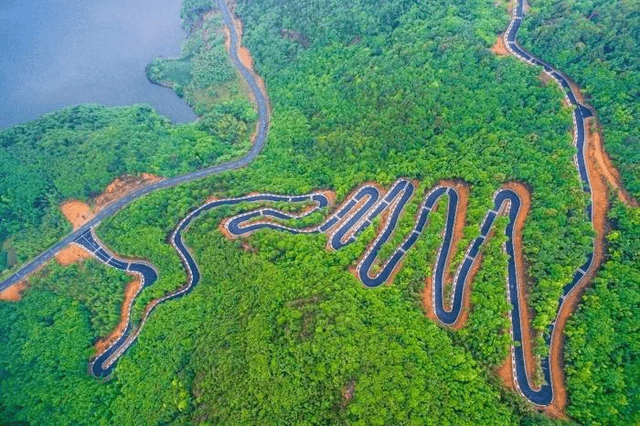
[(55, 53)]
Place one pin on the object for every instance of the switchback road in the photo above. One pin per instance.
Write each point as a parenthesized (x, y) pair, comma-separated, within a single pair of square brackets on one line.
[(358, 212)]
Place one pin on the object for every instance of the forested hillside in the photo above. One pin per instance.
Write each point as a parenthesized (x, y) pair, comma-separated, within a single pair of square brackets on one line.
[(597, 43), (603, 351), (279, 331)]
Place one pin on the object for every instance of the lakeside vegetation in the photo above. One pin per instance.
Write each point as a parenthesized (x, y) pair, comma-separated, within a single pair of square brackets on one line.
[(280, 331), (205, 78), (74, 153)]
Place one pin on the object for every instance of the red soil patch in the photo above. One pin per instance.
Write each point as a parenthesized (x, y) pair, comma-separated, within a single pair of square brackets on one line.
[(13, 293), (245, 57), (248, 248), (227, 38), (544, 78), (505, 372), (427, 300), (132, 289), (122, 186), (499, 48), (347, 394), (243, 53), (331, 196), (603, 164), (76, 212), (79, 213), (71, 254), (223, 228), (576, 90)]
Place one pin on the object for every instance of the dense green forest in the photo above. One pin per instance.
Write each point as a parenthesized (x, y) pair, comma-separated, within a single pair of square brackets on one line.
[(596, 42), (603, 350), (278, 331), (93, 286)]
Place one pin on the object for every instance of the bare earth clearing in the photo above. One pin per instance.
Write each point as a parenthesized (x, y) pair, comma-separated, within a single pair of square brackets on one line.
[(13, 293)]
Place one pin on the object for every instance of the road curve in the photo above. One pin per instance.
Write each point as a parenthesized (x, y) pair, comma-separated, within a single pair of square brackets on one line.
[(357, 213), (360, 211), (105, 361), (259, 140), (545, 395), (368, 203)]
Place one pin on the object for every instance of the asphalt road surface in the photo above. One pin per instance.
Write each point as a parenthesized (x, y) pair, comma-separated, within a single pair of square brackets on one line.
[(343, 227)]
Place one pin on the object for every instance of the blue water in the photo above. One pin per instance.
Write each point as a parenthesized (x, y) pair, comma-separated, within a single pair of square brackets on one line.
[(55, 53)]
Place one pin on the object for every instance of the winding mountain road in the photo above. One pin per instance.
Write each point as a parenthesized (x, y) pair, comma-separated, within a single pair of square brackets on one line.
[(358, 212), (102, 365)]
